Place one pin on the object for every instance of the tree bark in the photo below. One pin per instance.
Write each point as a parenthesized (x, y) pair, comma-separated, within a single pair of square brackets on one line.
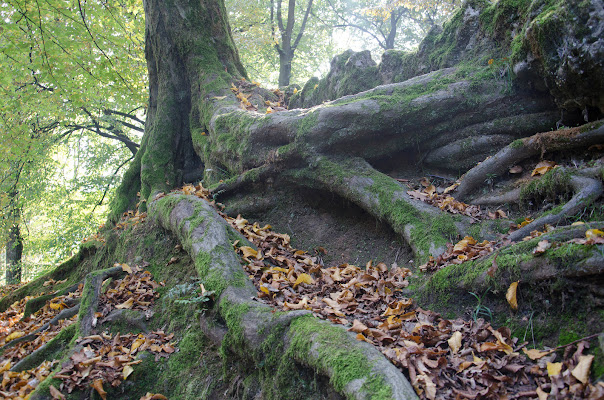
[(14, 246)]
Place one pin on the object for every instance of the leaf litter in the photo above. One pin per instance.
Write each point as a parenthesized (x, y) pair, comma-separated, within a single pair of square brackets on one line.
[(444, 359), (102, 360)]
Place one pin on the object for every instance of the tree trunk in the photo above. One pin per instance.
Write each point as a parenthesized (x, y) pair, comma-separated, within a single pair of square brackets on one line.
[(14, 249), (285, 67)]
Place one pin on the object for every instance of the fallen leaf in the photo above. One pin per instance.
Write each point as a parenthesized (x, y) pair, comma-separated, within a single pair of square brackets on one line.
[(455, 342), (358, 327), (543, 167), (535, 354), (304, 278), (541, 394), (542, 246), (511, 295), (581, 371), (55, 393), (554, 369), (127, 371), (126, 304), (13, 336), (98, 386), (126, 268), (516, 169)]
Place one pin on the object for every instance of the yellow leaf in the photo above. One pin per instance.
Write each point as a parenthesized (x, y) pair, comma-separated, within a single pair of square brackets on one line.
[(248, 252), (578, 223), (5, 367), (57, 305), (316, 86), (127, 371), (581, 371), (511, 295), (535, 354), (263, 289), (295, 90), (463, 244), (593, 233), (126, 268), (455, 342), (98, 386), (543, 167), (13, 336), (554, 369), (304, 278), (126, 304), (136, 344)]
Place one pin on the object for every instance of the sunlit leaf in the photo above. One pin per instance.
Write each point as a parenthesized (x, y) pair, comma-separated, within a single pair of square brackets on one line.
[(554, 369), (510, 295), (581, 371)]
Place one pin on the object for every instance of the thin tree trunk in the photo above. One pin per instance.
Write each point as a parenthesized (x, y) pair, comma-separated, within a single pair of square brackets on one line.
[(285, 68), (14, 249)]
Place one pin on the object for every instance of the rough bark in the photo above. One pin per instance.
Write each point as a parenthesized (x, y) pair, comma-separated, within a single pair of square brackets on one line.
[(14, 248)]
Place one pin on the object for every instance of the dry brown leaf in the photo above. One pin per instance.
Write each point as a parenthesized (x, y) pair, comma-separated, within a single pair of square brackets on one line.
[(581, 371), (55, 393), (455, 342), (535, 354), (98, 386), (511, 295)]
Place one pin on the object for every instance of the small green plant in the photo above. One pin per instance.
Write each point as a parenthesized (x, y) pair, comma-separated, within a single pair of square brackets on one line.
[(490, 181), (502, 69), (191, 293), (481, 310)]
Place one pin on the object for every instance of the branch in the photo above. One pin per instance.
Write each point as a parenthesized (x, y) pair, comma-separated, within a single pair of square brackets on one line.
[(123, 114), (300, 33), (110, 182)]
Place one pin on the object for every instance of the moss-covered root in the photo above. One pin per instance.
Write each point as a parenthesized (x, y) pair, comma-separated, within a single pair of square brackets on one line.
[(521, 149), (206, 237), (65, 314), (256, 333), (49, 351), (281, 342), (586, 191), (90, 297), (426, 229), (63, 271)]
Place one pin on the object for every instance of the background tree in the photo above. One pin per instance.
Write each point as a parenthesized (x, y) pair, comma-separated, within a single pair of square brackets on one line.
[(259, 39), (74, 72), (391, 24)]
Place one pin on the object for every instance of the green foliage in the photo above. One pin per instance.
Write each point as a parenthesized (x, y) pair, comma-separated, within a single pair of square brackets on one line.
[(191, 293), (71, 71)]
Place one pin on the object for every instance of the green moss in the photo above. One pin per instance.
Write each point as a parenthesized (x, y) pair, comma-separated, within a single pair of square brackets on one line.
[(347, 365), (553, 187), (516, 144)]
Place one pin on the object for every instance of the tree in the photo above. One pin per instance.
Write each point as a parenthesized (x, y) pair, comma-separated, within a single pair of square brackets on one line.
[(57, 92), (258, 37), (454, 98), (392, 23)]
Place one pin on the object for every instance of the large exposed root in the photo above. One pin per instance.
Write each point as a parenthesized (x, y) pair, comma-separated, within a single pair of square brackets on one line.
[(251, 326), (586, 191), (581, 137)]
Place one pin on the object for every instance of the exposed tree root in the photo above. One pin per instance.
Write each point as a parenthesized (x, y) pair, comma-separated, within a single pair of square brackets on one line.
[(48, 351), (251, 329), (65, 314), (37, 303), (91, 295), (59, 273), (586, 191), (566, 139)]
